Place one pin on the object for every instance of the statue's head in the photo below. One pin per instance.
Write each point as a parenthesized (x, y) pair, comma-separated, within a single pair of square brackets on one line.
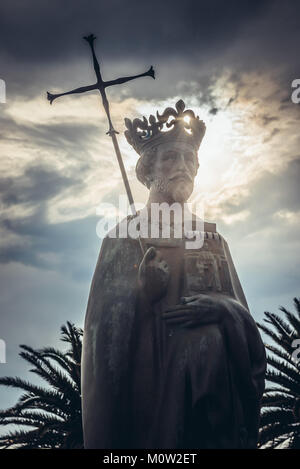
[(168, 160)]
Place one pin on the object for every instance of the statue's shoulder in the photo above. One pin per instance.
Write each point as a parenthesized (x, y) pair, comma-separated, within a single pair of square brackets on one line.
[(206, 226), (117, 239), (210, 230), (210, 227)]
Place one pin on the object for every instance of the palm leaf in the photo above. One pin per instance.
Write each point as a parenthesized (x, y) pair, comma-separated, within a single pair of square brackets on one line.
[(282, 354), (278, 400), (279, 422), (284, 368), (51, 414)]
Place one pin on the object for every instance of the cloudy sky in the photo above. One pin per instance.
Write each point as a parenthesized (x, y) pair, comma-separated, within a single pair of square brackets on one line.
[(232, 62)]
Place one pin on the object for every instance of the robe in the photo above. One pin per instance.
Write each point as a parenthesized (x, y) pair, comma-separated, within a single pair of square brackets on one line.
[(148, 385)]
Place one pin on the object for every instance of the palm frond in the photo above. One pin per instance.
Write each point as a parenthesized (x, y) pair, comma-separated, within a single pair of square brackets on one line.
[(297, 306), (271, 416), (279, 400), (51, 414), (295, 322), (276, 338), (279, 423), (284, 381), (274, 434), (282, 354), (284, 368), (281, 326)]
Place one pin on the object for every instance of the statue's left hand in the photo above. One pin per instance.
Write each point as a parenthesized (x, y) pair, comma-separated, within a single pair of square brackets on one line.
[(245, 347), (196, 311)]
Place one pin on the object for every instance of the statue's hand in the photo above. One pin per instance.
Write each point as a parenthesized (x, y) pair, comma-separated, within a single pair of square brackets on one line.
[(206, 309), (195, 311), (243, 339), (246, 352), (153, 276)]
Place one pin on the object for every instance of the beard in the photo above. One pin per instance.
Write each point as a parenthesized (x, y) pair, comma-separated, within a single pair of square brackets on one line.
[(176, 190)]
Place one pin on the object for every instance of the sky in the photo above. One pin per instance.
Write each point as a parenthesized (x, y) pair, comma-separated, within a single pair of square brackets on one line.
[(232, 62)]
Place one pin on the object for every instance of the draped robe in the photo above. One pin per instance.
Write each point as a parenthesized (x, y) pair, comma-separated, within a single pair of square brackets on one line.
[(148, 385)]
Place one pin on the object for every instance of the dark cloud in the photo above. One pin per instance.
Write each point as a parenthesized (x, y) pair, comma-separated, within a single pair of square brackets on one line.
[(72, 136), (38, 184), (270, 194), (214, 111), (139, 28), (197, 40), (68, 247), (274, 132), (37, 242), (268, 119)]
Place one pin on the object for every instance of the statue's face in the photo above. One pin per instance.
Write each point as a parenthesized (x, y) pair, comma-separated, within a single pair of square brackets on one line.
[(174, 170)]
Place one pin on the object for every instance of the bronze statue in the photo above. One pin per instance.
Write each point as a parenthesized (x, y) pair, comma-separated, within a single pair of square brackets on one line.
[(171, 355)]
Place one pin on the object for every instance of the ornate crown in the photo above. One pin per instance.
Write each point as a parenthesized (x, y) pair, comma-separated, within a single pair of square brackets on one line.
[(185, 126)]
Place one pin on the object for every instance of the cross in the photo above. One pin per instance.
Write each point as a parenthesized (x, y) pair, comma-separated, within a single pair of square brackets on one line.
[(101, 85)]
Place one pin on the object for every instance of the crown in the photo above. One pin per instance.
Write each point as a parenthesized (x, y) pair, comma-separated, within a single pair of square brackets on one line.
[(185, 126)]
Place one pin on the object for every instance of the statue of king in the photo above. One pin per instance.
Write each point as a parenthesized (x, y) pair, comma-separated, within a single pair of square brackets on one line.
[(172, 357)]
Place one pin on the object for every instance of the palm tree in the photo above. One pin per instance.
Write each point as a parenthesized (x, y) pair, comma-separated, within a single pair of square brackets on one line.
[(50, 416), (280, 419)]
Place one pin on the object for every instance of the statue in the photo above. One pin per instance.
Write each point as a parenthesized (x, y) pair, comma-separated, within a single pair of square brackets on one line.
[(172, 357)]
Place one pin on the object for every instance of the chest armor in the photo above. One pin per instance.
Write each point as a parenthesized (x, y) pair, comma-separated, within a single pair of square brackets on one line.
[(195, 271), (206, 269)]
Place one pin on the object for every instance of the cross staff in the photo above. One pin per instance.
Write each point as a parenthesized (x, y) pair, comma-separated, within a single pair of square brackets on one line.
[(101, 85)]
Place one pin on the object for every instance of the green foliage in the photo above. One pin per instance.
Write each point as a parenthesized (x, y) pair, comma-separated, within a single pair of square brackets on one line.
[(280, 419), (47, 417)]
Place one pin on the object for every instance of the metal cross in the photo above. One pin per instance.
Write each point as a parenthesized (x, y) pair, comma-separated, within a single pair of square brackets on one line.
[(101, 85)]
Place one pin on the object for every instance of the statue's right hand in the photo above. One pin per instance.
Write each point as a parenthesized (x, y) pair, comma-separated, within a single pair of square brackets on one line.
[(153, 275)]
